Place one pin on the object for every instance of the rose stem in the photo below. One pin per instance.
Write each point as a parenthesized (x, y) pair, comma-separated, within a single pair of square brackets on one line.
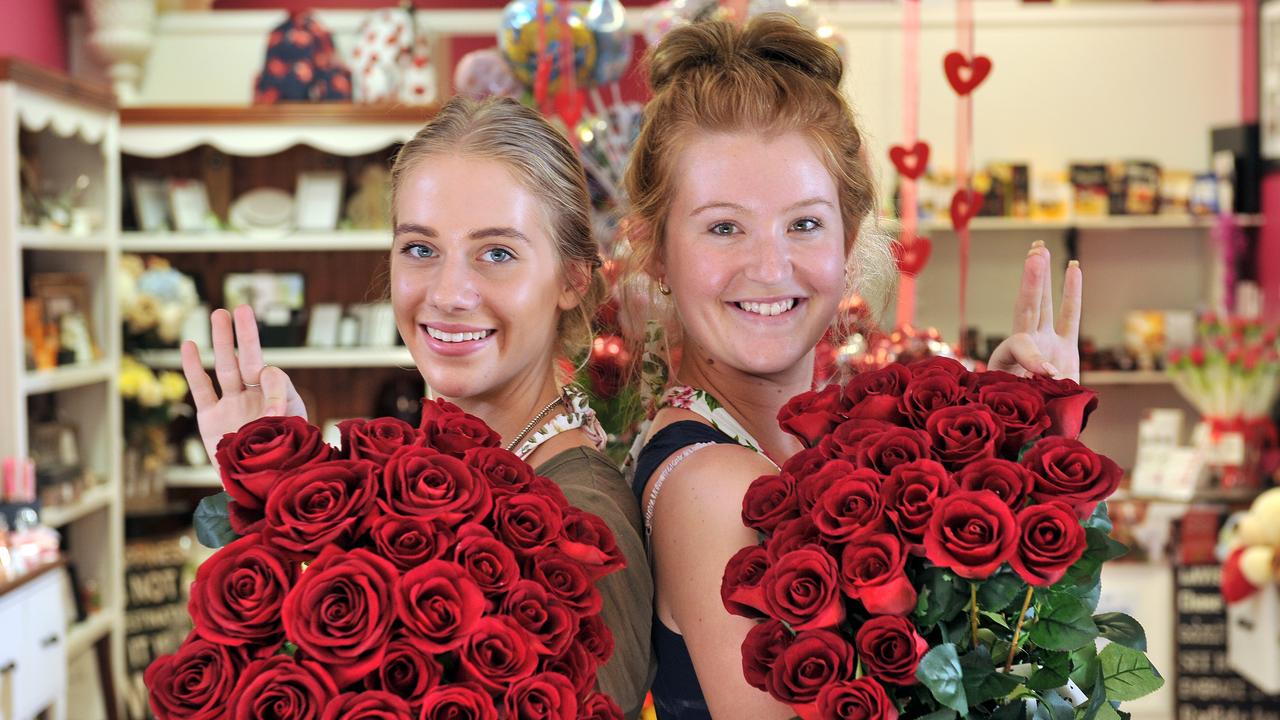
[(973, 615), (1017, 629)]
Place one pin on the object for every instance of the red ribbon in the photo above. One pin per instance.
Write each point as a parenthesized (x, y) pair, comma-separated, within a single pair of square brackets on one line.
[(964, 147), (1260, 431), (910, 112)]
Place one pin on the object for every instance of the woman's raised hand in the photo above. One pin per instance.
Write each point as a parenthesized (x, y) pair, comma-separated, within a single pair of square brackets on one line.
[(250, 390), (1041, 344)]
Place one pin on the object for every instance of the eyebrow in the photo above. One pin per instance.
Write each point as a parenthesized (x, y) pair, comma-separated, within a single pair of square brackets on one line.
[(481, 234), (734, 206)]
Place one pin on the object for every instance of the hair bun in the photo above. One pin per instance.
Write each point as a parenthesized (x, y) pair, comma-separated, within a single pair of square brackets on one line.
[(770, 39)]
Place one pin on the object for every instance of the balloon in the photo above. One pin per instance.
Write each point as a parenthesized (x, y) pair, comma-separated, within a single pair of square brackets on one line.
[(485, 73), (607, 20), (660, 19), (518, 40)]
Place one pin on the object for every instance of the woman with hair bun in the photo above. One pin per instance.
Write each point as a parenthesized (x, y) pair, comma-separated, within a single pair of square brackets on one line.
[(751, 196)]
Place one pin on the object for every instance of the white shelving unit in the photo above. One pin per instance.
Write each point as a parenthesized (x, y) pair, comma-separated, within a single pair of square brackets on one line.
[(138, 242), (73, 127), (1110, 222), (290, 358)]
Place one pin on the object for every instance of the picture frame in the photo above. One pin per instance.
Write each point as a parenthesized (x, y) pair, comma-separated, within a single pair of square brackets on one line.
[(276, 298), (150, 203), (64, 303), (322, 327), (189, 205), (318, 200)]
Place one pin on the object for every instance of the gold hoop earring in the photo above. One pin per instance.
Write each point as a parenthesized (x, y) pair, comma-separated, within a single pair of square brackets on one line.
[(662, 287)]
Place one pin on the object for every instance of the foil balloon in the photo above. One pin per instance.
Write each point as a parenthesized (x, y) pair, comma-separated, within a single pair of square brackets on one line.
[(485, 73), (607, 20), (518, 41)]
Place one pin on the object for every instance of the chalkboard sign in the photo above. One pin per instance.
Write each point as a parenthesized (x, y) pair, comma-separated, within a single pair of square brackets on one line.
[(156, 619), (1206, 688)]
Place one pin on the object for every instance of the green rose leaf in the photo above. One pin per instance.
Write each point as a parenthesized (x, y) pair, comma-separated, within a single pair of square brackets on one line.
[(1063, 623), (999, 591), (1052, 706), (213, 521), (1054, 671), (982, 682), (944, 714), (1093, 710), (941, 598), (1127, 673), (1085, 666), (1016, 710), (939, 671), (1120, 628), (1100, 519)]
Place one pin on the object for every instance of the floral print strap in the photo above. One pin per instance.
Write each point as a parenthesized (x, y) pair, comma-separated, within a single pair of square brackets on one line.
[(702, 403), (577, 414)]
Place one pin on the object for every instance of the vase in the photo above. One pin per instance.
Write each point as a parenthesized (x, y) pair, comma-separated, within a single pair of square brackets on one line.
[(121, 33)]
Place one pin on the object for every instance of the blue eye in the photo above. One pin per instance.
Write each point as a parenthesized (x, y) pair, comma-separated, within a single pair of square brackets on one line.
[(498, 255), (418, 250), (724, 228), (805, 225)]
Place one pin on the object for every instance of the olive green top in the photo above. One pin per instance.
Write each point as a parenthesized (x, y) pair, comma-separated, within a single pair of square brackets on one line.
[(593, 483)]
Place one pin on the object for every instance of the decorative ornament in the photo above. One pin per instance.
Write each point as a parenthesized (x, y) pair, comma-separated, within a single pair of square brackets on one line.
[(518, 39), (912, 258), (607, 20), (485, 73), (910, 163), (121, 36), (966, 75), (964, 206)]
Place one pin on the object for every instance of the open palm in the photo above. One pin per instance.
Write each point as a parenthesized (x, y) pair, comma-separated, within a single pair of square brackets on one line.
[(250, 390), (1042, 344)]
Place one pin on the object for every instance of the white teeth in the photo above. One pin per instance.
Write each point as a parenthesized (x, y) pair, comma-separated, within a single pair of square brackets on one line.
[(768, 309), (456, 337)]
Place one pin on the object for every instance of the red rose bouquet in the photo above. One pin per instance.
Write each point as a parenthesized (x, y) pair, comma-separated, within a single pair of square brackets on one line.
[(413, 574), (937, 550)]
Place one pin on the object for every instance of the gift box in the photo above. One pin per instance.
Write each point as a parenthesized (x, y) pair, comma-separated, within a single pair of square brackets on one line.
[(1253, 639)]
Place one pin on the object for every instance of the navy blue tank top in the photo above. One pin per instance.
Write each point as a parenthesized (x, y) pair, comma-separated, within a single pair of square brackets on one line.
[(676, 692)]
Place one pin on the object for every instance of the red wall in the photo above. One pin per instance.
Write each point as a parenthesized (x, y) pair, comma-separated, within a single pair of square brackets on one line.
[(33, 30)]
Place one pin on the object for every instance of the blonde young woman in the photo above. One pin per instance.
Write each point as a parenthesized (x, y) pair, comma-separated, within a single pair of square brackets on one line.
[(749, 185), (494, 275)]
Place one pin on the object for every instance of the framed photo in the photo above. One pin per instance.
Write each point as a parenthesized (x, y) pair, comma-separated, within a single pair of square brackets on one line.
[(322, 329), (318, 200), (64, 303), (150, 203), (189, 205), (276, 298), (1269, 80)]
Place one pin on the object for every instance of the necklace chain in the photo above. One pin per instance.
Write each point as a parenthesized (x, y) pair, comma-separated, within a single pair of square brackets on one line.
[(511, 446)]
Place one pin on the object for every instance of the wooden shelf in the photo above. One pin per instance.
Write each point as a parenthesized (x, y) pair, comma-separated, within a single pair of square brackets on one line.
[(286, 114), (81, 636), (66, 377), (1113, 222), (1124, 377), (92, 500), (35, 239), (180, 476), (306, 357), (137, 242)]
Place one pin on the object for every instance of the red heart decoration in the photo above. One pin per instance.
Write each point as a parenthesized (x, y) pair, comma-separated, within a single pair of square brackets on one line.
[(910, 163), (569, 106), (964, 205), (964, 74), (912, 259)]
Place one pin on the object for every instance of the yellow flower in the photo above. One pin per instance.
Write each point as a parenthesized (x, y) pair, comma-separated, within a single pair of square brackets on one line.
[(132, 377), (174, 386), (151, 394)]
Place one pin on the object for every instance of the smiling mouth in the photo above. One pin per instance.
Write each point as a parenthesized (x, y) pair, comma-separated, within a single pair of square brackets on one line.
[(459, 337), (768, 309)]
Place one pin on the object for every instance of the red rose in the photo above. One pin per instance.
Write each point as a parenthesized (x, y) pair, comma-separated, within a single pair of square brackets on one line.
[(507, 473), (409, 670), (852, 505), (423, 482), (526, 523), (280, 688), (1067, 404), (844, 442), (891, 649), (376, 440), (873, 571), (576, 664), (939, 364), (809, 488), (802, 590), (599, 706), (567, 580), (549, 622), (194, 683), (793, 535), (408, 541), (595, 637), (321, 504), (445, 427), (813, 660), (496, 653), (439, 603), (883, 451), (761, 648), (928, 393), (548, 489), (812, 415), (874, 394), (1050, 540), (768, 501), (911, 494), (458, 701), (1011, 481), (861, 699), (545, 696), (979, 380), (1068, 471), (341, 610), (1020, 408), (972, 532), (490, 562), (238, 592), (367, 705), (586, 537), (252, 458), (804, 463), (964, 434), (740, 588)]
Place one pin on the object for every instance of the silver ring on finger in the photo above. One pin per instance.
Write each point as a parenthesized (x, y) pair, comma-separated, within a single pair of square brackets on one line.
[(252, 385)]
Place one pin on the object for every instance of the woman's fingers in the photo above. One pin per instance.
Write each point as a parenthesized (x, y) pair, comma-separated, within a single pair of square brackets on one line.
[(224, 354), (1045, 272), (248, 347), (1026, 310), (1028, 355), (202, 392), (277, 391), (1072, 292)]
